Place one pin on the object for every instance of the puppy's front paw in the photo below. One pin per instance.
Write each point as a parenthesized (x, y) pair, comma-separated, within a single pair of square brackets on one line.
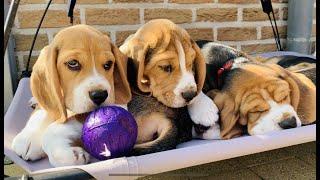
[(212, 133), (28, 146), (33, 103), (203, 111), (68, 156)]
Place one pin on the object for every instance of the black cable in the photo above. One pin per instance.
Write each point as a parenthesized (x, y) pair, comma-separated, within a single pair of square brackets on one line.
[(274, 33), (275, 24), (27, 73), (267, 8), (71, 3)]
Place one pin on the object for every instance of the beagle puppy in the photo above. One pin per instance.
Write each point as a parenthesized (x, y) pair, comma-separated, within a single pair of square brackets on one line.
[(169, 68), (255, 98), (77, 72), (289, 62)]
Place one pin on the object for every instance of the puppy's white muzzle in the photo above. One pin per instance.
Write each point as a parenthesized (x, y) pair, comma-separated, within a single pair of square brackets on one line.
[(84, 101), (274, 119)]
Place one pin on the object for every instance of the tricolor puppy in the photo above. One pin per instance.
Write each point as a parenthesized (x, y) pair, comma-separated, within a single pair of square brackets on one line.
[(256, 98), (78, 71), (168, 66)]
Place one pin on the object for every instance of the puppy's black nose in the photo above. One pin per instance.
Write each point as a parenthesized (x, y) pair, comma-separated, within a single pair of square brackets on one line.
[(199, 129), (288, 123), (188, 95), (98, 96)]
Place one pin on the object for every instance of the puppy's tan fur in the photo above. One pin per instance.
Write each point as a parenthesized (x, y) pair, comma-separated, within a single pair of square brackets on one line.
[(154, 45), (52, 83), (63, 94), (245, 98)]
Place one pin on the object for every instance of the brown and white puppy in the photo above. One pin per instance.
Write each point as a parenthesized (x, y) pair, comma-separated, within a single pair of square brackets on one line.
[(169, 66), (78, 71), (253, 97)]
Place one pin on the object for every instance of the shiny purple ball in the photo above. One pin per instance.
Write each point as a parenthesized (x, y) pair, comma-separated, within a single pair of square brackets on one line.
[(109, 132)]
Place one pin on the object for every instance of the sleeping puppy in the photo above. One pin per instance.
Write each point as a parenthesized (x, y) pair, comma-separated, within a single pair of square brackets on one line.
[(168, 67), (256, 98), (290, 62), (77, 72)]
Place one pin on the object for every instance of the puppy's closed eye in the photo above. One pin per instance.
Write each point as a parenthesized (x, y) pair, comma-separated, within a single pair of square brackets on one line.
[(166, 68), (73, 65)]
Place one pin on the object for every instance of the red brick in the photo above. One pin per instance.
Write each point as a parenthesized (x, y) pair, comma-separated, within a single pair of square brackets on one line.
[(285, 13), (237, 34), (92, 1), (267, 33), (190, 1), (239, 1), (135, 1), (258, 48), (53, 18), (217, 14), (121, 36), (201, 34), (112, 16), (256, 14), (175, 15), (23, 42)]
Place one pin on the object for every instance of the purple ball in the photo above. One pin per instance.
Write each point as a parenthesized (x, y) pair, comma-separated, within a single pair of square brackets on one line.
[(109, 132)]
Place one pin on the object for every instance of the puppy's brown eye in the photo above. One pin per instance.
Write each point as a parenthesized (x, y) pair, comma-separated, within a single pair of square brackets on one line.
[(166, 68), (107, 65), (73, 65)]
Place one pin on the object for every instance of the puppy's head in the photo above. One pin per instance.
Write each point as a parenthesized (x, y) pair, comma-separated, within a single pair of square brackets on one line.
[(168, 64), (265, 98), (79, 71)]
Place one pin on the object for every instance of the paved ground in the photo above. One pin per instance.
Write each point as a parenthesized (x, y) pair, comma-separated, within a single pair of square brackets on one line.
[(294, 162)]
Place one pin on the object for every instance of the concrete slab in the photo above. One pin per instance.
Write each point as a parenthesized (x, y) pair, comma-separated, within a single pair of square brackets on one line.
[(290, 169), (217, 170), (262, 158), (13, 170), (200, 171), (308, 158), (243, 174), (302, 149)]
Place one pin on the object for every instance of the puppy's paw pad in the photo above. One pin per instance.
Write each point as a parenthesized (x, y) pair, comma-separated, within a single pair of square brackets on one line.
[(28, 146), (69, 156)]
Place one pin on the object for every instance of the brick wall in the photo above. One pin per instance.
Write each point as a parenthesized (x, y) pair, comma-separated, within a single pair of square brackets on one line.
[(238, 23)]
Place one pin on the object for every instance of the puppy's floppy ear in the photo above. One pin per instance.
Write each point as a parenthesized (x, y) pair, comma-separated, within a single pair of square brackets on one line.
[(45, 84), (142, 81), (229, 114), (200, 67), (302, 95), (121, 85), (137, 50)]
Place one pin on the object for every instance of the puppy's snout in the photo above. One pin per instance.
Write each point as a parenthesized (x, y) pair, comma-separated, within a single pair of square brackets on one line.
[(199, 129), (188, 95), (98, 96), (288, 123)]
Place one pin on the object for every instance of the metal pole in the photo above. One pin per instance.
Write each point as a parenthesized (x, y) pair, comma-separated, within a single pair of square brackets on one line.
[(9, 22), (299, 25), (9, 55)]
